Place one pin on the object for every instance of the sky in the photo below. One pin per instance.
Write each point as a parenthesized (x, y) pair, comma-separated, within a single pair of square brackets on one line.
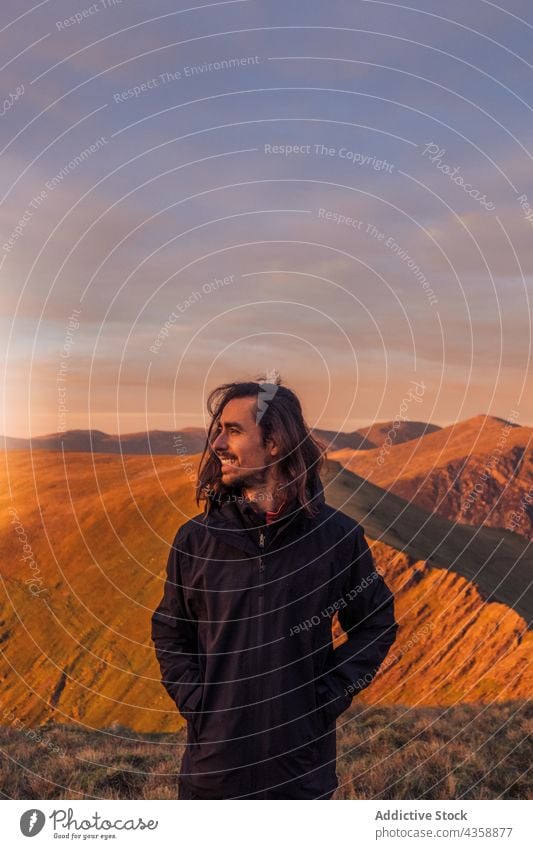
[(205, 192)]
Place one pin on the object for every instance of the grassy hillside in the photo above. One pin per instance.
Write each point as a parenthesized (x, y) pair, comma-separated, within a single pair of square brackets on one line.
[(463, 752), (78, 648)]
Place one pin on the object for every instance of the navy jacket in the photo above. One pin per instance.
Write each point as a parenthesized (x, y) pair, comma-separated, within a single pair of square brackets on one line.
[(243, 639)]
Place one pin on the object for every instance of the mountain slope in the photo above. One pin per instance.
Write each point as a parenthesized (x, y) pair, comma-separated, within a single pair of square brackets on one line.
[(498, 561), (476, 472), (76, 647)]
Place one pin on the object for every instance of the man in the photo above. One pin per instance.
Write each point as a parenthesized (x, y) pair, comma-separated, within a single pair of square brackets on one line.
[(243, 631)]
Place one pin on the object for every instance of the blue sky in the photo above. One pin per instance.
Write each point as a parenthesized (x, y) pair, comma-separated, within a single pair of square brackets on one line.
[(310, 153)]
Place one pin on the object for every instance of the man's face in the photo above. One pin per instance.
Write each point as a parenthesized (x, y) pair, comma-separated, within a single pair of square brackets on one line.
[(238, 443)]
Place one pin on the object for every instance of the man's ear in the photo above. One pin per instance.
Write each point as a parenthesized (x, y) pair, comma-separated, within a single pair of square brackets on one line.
[(272, 447)]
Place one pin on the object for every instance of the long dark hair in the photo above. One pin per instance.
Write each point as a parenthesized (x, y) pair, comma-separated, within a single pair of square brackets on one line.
[(279, 415)]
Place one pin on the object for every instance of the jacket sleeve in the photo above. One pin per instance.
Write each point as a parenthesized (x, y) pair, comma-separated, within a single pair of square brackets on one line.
[(367, 616), (175, 638)]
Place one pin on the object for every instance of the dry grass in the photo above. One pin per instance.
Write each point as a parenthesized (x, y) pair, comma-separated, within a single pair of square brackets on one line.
[(463, 752)]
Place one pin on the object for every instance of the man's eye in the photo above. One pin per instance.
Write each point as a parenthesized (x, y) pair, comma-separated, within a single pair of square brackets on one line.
[(233, 430)]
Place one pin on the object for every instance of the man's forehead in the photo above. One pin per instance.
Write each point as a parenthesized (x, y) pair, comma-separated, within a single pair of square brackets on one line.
[(239, 410)]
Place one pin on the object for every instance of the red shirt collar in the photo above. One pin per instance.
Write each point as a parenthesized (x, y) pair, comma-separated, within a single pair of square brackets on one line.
[(272, 515)]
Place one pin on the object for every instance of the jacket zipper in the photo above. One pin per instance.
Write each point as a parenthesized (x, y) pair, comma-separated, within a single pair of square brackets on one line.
[(261, 584), (261, 605)]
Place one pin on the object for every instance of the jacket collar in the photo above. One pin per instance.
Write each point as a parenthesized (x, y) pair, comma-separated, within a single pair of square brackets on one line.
[(223, 520)]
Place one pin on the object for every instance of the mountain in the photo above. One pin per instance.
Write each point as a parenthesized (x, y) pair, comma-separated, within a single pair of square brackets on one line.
[(401, 431), (191, 440), (498, 561), (83, 568), (477, 472)]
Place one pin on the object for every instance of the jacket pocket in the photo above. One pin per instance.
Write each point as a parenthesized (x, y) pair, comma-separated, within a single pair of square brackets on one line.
[(191, 711), (193, 722), (196, 717), (329, 707)]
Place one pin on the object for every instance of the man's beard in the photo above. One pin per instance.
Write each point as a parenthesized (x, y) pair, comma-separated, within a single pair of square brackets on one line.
[(246, 481)]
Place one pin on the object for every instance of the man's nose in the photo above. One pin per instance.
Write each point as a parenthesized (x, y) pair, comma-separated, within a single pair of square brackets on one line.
[(220, 442)]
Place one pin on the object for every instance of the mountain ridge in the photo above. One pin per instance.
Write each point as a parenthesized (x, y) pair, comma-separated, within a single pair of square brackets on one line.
[(157, 441), (99, 529)]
